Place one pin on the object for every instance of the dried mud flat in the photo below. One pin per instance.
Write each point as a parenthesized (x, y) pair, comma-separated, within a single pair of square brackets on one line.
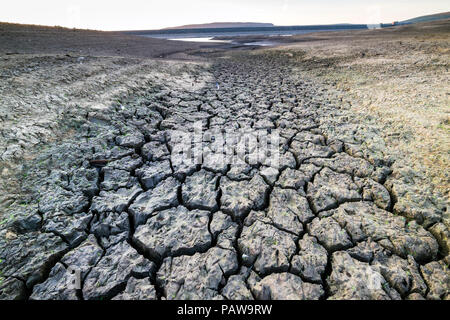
[(91, 184)]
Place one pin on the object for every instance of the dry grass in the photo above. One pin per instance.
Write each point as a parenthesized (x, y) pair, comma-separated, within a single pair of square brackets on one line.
[(400, 77)]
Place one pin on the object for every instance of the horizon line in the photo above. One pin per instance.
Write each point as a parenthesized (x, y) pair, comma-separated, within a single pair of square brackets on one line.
[(170, 27)]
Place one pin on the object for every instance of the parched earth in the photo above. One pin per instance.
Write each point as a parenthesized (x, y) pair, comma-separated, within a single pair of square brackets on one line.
[(333, 221)]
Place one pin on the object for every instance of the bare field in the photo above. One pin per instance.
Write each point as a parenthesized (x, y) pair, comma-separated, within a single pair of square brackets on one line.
[(93, 179)]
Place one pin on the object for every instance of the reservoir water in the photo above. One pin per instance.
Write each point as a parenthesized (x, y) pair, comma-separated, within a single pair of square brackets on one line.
[(215, 34)]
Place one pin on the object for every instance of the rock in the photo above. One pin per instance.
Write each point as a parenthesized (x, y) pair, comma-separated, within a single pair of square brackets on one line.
[(176, 231), (182, 164), (267, 248), (56, 287), (114, 201), (296, 179), (264, 124), (414, 201), (111, 227), (155, 151), (236, 289), (215, 162), (311, 261), (117, 152), (288, 210), (415, 296), (241, 171), (115, 179), (141, 289), (286, 286), (132, 140), (28, 223), (402, 275), (269, 174), (287, 160), (239, 197), (442, 234), (354, 280), (344, 163), (367, 251), (223, 229), (12, 289), (330, 189), (306, 150), (84, 180), (200, 191), (59, 199), (363, 220), (307, 136), (128, 163), (373, 191), (9, 235), (111, 274), (196, 277), (162, 197), (329, 234), (437, 278), (71, 228), (154, 172), (84, 257), (30, 255)]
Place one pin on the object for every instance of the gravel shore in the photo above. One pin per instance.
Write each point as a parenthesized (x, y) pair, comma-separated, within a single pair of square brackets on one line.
[(94, 184)]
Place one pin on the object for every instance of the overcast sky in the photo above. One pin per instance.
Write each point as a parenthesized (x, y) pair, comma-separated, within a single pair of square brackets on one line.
[(150, 14)]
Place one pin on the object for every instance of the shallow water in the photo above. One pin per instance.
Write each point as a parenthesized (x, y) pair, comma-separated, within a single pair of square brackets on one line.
[(260, 43), (209, 35), (233, 32), (212, 40), (203, 39)]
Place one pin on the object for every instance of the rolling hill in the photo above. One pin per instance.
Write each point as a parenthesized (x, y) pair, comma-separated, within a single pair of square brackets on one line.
[(429, 18), (222, 25)]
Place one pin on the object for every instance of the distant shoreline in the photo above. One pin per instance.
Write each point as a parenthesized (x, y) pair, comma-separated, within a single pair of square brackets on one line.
[(221, 25), (222, 33), (255, 30)]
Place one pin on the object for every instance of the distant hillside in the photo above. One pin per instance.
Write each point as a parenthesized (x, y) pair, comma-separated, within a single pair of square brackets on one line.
[(222, 25), (428, 18)]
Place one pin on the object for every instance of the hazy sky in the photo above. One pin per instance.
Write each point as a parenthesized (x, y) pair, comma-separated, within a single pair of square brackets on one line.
[(150, 14)]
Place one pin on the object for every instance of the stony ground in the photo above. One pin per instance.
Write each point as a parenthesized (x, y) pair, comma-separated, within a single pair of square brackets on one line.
[(336, 220)]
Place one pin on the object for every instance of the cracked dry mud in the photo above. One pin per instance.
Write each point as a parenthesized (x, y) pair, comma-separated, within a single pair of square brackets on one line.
[(139, 224)]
